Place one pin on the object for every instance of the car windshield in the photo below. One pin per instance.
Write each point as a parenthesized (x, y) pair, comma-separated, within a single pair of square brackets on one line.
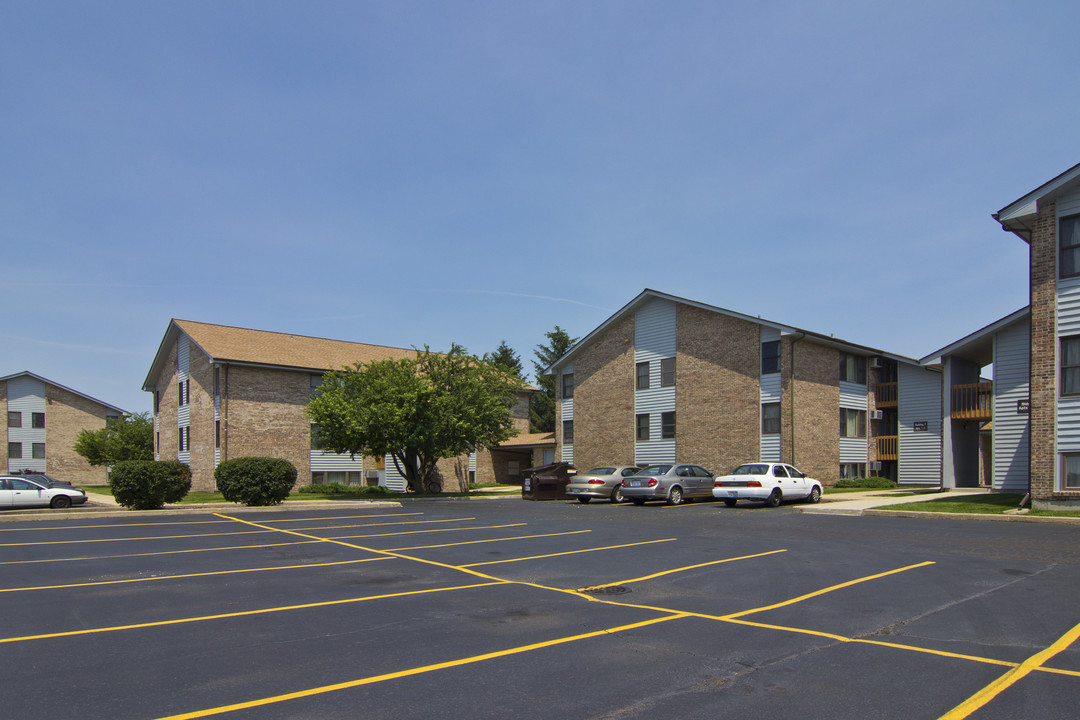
[(655, 470), (600, 471), (751, 470)]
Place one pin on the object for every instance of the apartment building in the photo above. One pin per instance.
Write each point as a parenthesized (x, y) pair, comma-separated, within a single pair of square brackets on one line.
[(44, 420), (669, 379), (223, 392)]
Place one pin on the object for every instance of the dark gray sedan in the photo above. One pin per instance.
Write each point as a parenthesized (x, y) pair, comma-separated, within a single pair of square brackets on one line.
[(671, 482), (604, 483)]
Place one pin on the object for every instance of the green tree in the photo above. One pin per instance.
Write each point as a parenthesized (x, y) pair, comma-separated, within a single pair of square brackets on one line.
[(417, 410), (127, 438), (505, 358), (542, 408)]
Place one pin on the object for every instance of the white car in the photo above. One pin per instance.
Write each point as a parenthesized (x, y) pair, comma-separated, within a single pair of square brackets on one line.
[(19, 492), (767, 482)]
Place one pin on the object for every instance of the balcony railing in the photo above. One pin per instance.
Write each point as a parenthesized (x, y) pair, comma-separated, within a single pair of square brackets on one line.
[(973, 401), (886, 447), (885, 395)]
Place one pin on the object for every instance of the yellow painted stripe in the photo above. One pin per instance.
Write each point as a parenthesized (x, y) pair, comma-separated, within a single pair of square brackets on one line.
[(682, 569), (241, 613), (1010, 678), (189, 575), (415, 671), (830, 589), (569, 552), (491, 540), (222, 534), (196, 522)]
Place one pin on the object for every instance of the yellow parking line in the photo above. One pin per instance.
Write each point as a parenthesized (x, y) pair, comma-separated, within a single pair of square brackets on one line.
[(53, 528), (1010, 678), (241, 613), (569, 552), (188, 575), (476, 542), (415, 671), (682, 569)]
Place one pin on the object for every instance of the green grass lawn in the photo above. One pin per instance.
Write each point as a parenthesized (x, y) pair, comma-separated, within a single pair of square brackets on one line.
[(197, 497), (993, 504)]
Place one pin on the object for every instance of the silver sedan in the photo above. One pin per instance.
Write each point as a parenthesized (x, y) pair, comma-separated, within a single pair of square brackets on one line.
[(671, 482), (604, 483)]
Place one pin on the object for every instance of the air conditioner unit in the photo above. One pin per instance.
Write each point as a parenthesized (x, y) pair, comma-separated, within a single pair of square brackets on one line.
[(876, 466), (875, 362), (876, 414)]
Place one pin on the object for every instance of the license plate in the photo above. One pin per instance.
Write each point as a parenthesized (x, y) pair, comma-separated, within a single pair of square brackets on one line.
[(635, 483), (733, 493)]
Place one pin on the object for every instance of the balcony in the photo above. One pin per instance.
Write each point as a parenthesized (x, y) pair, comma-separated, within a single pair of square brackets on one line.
[(886, 447), (885, 395), (973, 401)]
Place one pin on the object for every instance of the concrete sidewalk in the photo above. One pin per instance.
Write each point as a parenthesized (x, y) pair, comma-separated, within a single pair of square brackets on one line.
[(855, 503)]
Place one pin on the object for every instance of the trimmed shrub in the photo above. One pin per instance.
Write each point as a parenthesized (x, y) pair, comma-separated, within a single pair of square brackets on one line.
[(149, 484), (873, 483), (339, 489), (255, 481)]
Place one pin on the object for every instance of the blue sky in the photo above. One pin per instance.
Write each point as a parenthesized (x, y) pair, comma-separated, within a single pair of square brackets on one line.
[(410, 173)]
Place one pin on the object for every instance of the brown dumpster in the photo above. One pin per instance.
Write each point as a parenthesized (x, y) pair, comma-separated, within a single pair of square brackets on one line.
[(547, 482)]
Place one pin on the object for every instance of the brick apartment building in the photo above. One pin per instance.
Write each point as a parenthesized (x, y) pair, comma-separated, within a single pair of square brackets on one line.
[(44, 419), (223, 392), (671, 379)]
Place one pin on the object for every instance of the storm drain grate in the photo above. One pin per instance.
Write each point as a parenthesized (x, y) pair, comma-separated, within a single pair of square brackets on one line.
[(608, 590)]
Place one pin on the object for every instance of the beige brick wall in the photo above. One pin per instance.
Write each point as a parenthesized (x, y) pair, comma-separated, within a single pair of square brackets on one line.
[(1044, 356), (66, 414), (201, 416), (717, 389), (165, 440), (603, 400), (810, 408)]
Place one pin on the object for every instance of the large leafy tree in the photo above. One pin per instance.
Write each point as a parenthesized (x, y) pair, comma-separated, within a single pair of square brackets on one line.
[(505, 359), (127, 438), (542, 409), (418, 410)]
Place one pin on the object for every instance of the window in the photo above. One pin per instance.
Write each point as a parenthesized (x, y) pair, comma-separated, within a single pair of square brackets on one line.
[(217, 433), (37, 420), (643, 376), (779, 471), (316, 441), (1069, 264), (217, 380), (14, 419), (157, 402), (770, 418), (567, 385), (1070, 365), (853, 368), (184, 439), (667, 372), (642, 427), (852, 423), (667, 426), (568, 432), (14, 451), (1070, 471), (185, 393), (315, 383), (513, 468), (39, 451), (770, 357), (852, 470)]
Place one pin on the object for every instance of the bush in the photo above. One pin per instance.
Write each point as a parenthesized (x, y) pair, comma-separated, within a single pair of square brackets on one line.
[(339, 489), (873, 483), (149, 484), (255, 481)]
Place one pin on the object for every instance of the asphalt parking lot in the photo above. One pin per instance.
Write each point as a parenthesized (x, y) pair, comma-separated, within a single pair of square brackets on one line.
[(506, 608)]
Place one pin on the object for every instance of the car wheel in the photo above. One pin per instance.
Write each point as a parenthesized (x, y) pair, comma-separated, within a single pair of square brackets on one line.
[(774, 499), (583, 499), (675, 496), (638, 501), (60, 501), (815, 495), (616, 494), (730, 502)]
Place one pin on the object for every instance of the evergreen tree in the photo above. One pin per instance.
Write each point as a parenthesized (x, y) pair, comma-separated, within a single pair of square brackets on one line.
[(505, 359), (542, 410)]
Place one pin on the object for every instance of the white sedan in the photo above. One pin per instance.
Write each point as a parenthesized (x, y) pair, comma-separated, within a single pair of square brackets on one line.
[(768, 482), (18, 492)]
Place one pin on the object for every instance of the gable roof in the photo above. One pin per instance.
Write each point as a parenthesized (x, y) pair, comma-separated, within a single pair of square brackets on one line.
[(979, 345), (648, 294), (225, 344), (1016, 217), (64, 387)]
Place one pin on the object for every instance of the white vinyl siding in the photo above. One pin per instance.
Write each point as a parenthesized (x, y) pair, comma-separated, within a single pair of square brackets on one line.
[(919, 451), (567, 450), (183, 412), (1011, 430), (771, 385), (26, 395), (654, 340), (392, 479), (1067, 420), (853, 396), (325, 461)]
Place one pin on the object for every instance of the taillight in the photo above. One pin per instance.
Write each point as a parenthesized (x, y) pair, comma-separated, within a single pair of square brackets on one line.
[(596, 482), (652, 482), (718, 484), (753, 483), (624, 484)]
